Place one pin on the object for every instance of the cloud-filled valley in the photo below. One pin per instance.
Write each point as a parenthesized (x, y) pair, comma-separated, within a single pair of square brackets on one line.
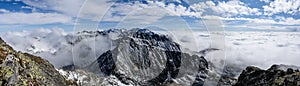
[(151, 42), (248, 48)]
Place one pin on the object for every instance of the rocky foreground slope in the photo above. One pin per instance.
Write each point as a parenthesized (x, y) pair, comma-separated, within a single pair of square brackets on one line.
[(277, 75), (17, 68)]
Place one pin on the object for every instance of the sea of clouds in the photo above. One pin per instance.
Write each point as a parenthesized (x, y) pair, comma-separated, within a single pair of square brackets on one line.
[(260, 49)]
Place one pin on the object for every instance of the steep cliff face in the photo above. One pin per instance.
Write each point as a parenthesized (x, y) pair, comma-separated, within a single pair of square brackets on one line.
[(277, 75), (142, 57), (19, 68)]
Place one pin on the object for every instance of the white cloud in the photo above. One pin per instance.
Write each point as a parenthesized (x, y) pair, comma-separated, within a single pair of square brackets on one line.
[(283, 21), (34, 18), (291, 20), (226, 9), (282, 6), (4, 11), (54, 45), (3, 27), (83, 9), (145, 16), (69, 7), (101, 10), (26, 7), (147, 13), (254, 20), (180, 10), (232, 8), (96, 10), (258, 23), (139, 13), (201, 6), (267, 1)]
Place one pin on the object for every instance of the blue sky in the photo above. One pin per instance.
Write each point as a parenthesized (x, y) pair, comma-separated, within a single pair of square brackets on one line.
[(241, 15)]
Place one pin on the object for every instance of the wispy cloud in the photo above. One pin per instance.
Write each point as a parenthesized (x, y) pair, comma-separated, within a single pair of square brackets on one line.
[(282, 6), (34, 18), (226, 9), (278, 12), (67, 7), (3, 11)]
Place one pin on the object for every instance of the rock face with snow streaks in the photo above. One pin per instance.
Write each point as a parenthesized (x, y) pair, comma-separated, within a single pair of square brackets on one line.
[(142, 57)]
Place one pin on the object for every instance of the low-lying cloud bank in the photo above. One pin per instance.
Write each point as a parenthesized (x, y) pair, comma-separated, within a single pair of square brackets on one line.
[(242, 48), (57, 46)]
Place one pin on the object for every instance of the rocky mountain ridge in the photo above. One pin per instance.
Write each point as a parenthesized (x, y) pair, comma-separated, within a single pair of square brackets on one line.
[(276, 75), (135, 45), (142, 57), (19, 68)]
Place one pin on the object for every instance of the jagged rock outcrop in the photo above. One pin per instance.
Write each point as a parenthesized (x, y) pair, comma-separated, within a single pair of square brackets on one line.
[(19, 68), (142, 57), (277, 75), (229, 74)]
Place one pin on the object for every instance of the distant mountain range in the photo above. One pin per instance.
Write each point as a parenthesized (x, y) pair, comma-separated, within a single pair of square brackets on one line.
[(127, 57)]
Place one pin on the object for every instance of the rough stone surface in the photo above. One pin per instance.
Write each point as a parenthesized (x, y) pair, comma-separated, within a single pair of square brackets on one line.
[(19, 68), (274, 76), (142, 57)]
